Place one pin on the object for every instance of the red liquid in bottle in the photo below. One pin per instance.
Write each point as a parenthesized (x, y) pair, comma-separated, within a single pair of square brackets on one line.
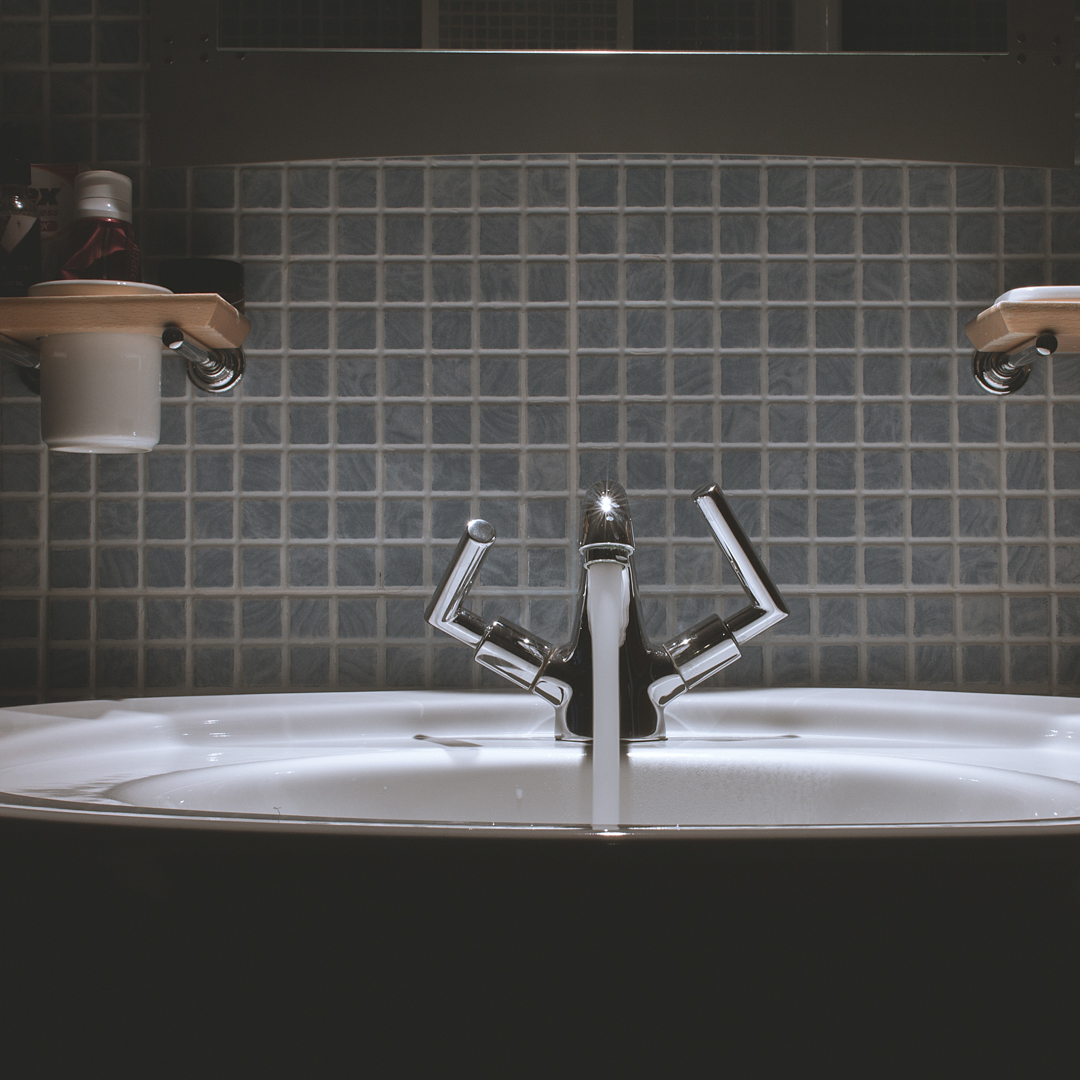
[(103, 248)]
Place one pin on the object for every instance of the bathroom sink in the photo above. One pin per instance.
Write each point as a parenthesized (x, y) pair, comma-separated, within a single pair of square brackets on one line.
[(789, 761)]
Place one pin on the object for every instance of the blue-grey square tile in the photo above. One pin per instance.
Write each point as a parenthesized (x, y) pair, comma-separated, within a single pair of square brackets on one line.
[(738, 280), (405, 236), (836, 470), (786, 186), (598, 185), (834, 234), (213, 424), (499, 424), (931, 517), (883, 517), (646, 186), (886, 664), (308, 566), (739, 186), (69, 620), (260, 234), (309, 617), (933, 616), (309, 328), (693, 187), (355, 236), (1029, 616), (355, 566), (1026, 469), (645, 281), (693, 233), (881, 186), (451, 471), (69, 519), (886, 616), (546, 234), (117, 520), (930, 469), (117, 568), (976, 185), (405, 618), (260, 188), (451, 376), (1025, 517), (213, 568), (930, 423), (546, 186), (213, 666), (981, 663), (309, 188), (1027, 564), (403, 472), (451, 188), (931, 565), (260, 567), (403, 565), (645, 234), (978, 517), (834, 328), (834, 186), (166, 619), (260, 667), (213, 472), (598, 375), (787, 234), (499, 234), (835, 517), (883, 565), (499, 472), (928, 234), (788, 328), (356, 377), (404, 187), (979, 565), (449, 236), (883, 469), (261, 618), (117, 620), (212, 618), (546, 519), (598, 233), (834, 281)]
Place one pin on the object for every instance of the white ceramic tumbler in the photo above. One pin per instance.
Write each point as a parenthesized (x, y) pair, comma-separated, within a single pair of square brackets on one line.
[(101, 392)]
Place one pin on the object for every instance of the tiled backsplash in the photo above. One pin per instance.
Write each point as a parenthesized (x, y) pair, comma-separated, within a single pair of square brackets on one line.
[(437, 339)]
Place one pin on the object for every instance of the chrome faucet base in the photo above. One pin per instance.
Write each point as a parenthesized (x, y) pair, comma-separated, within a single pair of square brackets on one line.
[(650, 675)]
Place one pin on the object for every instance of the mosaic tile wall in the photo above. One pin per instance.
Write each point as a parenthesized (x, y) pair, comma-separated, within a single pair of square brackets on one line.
[(436, 339)]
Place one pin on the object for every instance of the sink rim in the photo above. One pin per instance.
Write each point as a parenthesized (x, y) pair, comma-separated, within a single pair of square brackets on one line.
[(1014, 709)]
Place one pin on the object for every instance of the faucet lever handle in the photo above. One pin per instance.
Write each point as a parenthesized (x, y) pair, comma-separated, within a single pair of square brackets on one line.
[(767, 606), (444, 611), (713, 643)]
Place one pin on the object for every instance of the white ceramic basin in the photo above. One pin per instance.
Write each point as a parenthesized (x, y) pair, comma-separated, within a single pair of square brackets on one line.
[(803, 760)]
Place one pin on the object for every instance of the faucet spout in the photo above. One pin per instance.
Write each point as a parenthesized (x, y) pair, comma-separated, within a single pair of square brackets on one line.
[(650, 675), (607, 534)]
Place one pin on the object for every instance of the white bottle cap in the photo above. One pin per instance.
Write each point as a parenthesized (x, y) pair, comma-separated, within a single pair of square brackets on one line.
[(102, 194)]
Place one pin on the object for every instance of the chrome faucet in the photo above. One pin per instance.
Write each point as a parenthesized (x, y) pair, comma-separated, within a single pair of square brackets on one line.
[(650, 675)]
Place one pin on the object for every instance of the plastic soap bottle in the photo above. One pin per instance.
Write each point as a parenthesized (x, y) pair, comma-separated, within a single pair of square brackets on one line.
[(102, 236), (20, 230)]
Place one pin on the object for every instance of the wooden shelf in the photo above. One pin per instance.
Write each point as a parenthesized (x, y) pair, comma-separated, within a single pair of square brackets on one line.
[(1007, 326), (205, 317)]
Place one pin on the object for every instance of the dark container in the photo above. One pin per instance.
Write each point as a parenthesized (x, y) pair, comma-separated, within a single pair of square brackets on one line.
[(222, 276)]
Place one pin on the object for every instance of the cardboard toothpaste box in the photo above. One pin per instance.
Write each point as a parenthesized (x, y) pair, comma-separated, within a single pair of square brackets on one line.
[(54, 195)]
